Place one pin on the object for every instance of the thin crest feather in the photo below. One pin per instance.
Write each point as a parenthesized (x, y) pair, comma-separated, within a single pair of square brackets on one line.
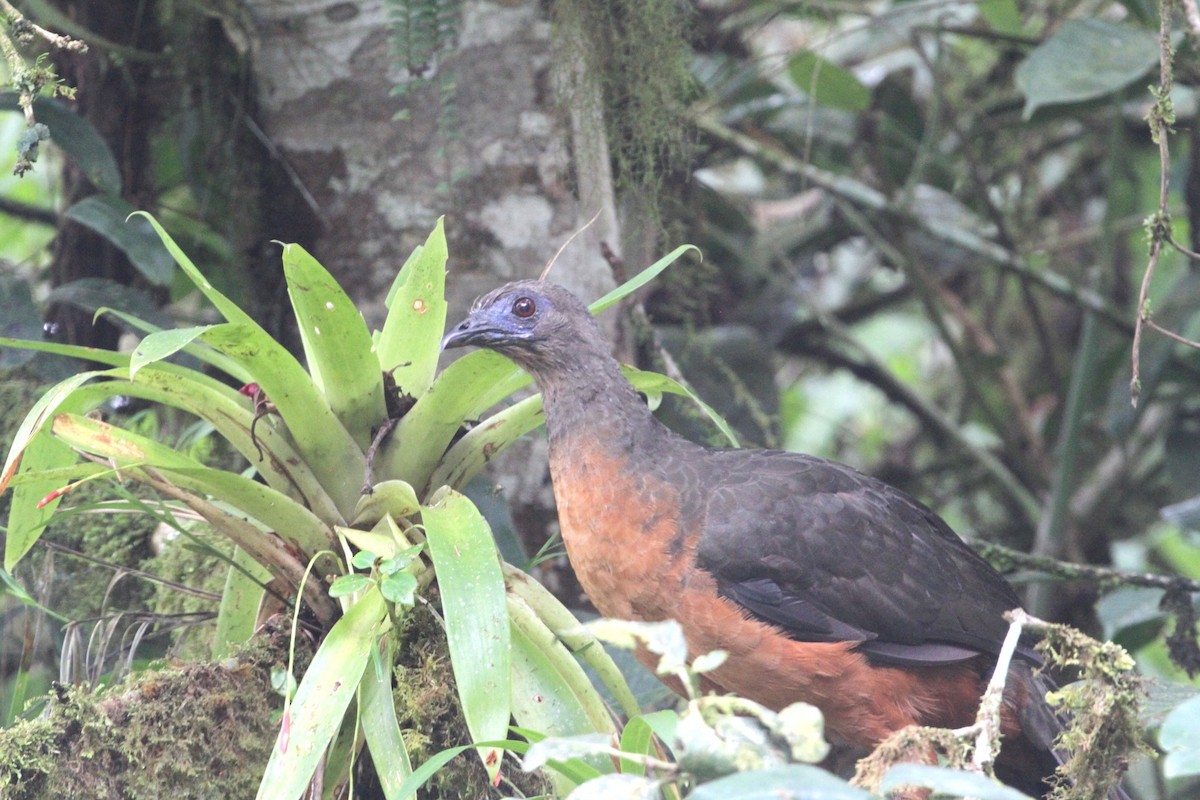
[(570, 239)]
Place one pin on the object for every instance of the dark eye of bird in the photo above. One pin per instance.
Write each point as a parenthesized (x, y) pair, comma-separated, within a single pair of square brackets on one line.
[(524, 307)]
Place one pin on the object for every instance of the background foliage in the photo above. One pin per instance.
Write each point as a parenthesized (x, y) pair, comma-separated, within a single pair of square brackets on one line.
[(930, 230)]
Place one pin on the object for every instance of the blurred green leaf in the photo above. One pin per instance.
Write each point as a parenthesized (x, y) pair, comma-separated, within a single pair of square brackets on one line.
[(944, 780), (798, 782), (109, 216), (1002, 16), (1085, 59), (827, 83), (76, 137), (1180, 737), (95, 294), (19, 319)]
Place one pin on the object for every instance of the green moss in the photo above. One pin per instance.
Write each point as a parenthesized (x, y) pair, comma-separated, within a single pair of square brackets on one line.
[(637, 53), (190, 731), (431, 718), (187, 561)]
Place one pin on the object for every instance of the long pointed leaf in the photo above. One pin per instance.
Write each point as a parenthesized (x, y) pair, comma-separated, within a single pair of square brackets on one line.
[(327, 447), (322, 698), (410, 342), (551, 691), (240, 599), (641, 279), (336, 344), (382, 728), (228, 309), (482, 443), (205, 355), (42, 412), (292, 522), (26, 520), (469, 386), (576, 637), (161, 345), (477, 627)]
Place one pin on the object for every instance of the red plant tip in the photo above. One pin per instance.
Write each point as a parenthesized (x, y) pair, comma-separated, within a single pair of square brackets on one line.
[(50, 498), (496, 780), (249, 390), (285, 730)]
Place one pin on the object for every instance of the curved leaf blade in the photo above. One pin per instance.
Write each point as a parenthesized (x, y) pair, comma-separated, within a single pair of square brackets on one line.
[(641, 279), (323, 697), (336, 344), (108, 215), (477, 627), (410, 342), (329, 450), (228, 309), (292, 522)]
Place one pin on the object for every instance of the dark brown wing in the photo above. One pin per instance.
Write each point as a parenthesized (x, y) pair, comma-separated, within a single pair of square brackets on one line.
[(829, 554)]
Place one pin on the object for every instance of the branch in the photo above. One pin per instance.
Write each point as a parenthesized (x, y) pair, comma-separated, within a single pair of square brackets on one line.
[(1160, 118), (866, 197), (987, 718), (28, 212), (1006, 559), (864, 365), (21, 25)]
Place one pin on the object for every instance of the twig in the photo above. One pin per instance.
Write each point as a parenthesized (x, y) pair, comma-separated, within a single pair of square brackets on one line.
[(866, 197), (1160, 118), (1105, 576), (19, 23), (937, 419), (987, 719)]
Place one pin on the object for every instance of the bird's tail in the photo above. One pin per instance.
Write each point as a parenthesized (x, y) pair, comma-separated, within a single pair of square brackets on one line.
[(1041, 726)]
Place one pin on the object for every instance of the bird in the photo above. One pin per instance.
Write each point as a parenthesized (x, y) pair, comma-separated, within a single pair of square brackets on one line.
[(820, 583)]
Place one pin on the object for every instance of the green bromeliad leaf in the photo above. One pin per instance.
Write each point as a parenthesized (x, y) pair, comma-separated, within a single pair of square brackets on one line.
[(336, 344), (410, 342), (477, 627)]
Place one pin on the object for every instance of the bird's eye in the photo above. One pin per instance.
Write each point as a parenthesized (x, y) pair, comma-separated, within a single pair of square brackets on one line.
[(524, 307)]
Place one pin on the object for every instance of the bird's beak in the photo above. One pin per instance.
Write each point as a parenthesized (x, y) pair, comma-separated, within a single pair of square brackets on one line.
[(477, 329), (461, 335)]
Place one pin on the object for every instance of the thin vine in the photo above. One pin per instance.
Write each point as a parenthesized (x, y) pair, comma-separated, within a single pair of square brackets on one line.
[(31, 80)]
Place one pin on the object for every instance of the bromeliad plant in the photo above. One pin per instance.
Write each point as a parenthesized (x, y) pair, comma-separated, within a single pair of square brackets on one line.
[(355, 469)]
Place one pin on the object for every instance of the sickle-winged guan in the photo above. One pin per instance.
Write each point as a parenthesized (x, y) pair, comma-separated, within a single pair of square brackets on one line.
[(822, 584)]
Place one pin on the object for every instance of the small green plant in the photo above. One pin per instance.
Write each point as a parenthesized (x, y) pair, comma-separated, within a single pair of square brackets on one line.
[(351, 508)]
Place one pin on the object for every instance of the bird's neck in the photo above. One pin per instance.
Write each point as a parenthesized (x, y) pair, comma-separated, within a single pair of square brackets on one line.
[(592, 398)]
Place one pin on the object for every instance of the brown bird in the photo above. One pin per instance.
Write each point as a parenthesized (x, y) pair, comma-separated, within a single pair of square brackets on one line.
[(822, 584)]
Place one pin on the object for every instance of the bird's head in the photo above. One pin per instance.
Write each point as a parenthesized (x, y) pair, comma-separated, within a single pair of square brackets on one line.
[(541, 326)]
